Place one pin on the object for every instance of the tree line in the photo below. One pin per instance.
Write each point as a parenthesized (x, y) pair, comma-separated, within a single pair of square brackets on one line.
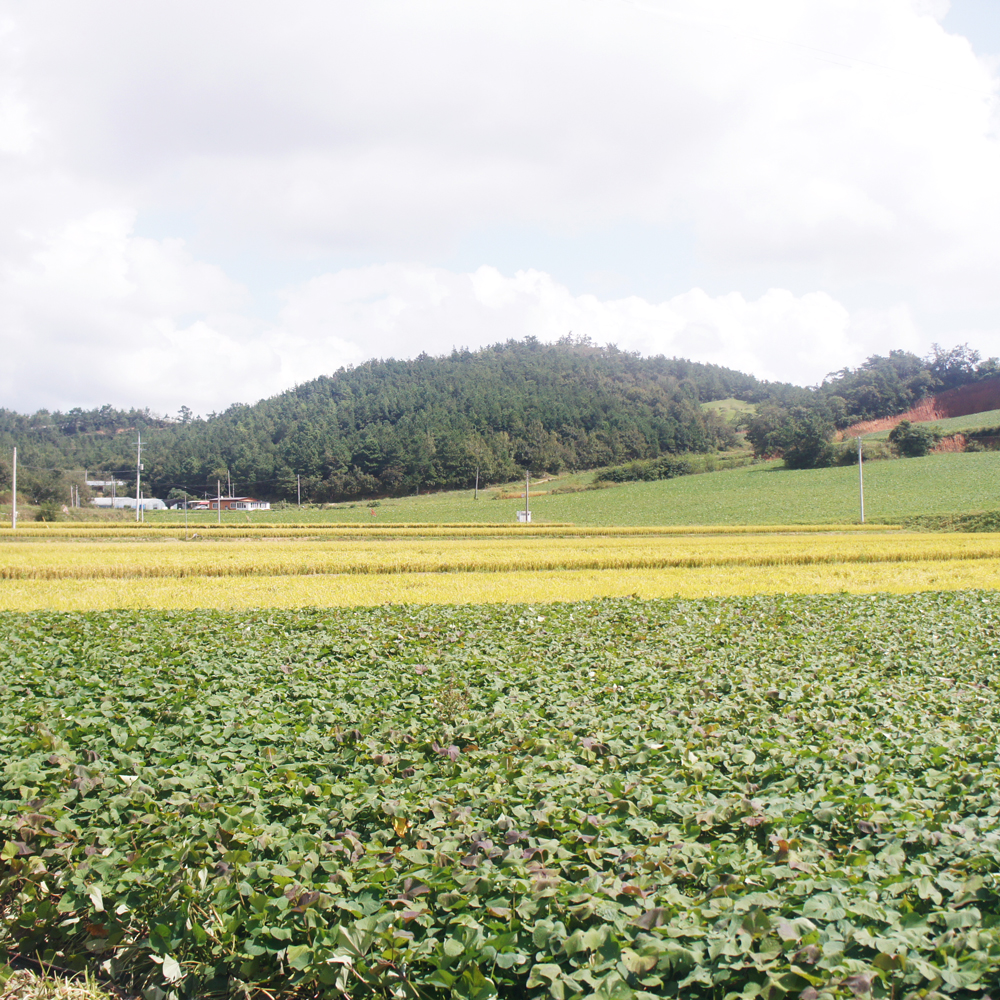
[(392, 427), (800, 425)]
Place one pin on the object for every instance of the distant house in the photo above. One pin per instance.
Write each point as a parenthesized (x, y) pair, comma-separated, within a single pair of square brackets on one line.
[(237, 503), (128, 503), (102, 485)]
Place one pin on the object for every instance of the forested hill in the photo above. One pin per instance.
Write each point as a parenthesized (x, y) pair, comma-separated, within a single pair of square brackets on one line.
[(394, 427)]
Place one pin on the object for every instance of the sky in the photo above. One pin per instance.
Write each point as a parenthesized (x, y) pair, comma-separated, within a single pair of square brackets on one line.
[(205, 204)]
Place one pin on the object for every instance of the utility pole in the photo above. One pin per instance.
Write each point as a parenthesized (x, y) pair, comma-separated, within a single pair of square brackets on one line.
[(298, 488), (861, 480), (13, 496), (527, 484), (477, 483), (114, 483), (229, 483), (218, 489), (138, 473)]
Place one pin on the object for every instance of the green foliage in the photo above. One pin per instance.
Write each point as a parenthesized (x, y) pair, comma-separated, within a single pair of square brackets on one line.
[(959, 366), (395, 427), (808, 445), (660, 468), (761, 493), (48, 511), (881, 387), (768, 431), (913, 440), (655, 469), (391, 428), (803, 436), (846, 451), (982, 439), (984, 520), (700, 798)]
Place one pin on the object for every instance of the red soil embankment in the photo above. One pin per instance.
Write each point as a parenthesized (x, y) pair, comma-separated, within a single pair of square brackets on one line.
[(960, 402), (954, 443)]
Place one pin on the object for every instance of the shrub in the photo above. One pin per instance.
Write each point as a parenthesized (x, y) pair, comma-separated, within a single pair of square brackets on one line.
[(644, 471), (913, 441), (846, 453), (983, 439), (48, 511), (809, 445)]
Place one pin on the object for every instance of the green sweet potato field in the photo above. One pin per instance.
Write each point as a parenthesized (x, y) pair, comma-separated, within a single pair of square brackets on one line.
[(760, 796)]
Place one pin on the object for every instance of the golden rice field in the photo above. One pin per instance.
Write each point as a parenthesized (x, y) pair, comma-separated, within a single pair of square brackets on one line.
[(75, 574), (96, 529), (294, 557)]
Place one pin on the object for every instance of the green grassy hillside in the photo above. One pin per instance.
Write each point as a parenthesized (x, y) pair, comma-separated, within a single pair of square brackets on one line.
[(953, 425), (730, 407), (758, 494)]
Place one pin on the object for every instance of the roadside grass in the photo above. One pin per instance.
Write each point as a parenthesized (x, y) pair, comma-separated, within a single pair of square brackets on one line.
[(25, 985)]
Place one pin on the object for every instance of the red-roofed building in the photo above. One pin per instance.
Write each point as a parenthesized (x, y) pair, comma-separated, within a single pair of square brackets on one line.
[(238, 503)]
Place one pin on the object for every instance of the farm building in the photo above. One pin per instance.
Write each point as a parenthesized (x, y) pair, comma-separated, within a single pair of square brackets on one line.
[(105, 486), (145, 503), (238, 503)]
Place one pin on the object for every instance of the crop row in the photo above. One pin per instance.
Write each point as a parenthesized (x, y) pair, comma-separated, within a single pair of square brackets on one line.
[(111, 560), (511, 587), (754, 797), (173, 529)]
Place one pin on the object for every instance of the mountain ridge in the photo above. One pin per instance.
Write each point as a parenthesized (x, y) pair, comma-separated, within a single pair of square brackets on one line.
[(390, 427)]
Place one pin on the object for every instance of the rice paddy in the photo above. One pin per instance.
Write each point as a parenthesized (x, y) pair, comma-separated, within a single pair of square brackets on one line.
[(283, 557), (94, 530), (282, 572), (751, 530)]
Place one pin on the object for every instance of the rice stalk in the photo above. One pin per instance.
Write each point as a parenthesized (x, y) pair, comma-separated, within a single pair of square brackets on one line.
[(354, 590), (69, 560)]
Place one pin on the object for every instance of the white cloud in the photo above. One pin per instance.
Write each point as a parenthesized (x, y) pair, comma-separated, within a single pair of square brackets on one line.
[(94, 314), (843, 150), (398, 310), (101, 315)]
